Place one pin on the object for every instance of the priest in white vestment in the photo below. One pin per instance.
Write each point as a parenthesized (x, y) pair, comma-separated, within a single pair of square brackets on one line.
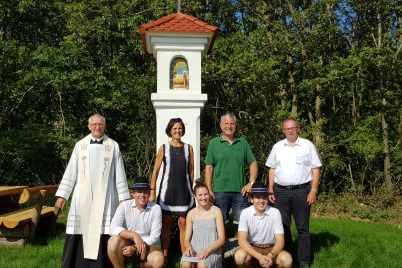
[(95, 176)]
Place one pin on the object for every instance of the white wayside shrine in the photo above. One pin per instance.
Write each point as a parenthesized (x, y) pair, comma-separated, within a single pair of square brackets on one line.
[(178, 42)]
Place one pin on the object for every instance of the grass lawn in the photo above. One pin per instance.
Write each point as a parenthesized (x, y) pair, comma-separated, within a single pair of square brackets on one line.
[(45, 251), (347, 243), (335, 243)]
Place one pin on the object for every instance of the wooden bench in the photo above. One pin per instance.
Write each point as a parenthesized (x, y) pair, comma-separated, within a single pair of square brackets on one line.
[(19, 226), (9, 196)]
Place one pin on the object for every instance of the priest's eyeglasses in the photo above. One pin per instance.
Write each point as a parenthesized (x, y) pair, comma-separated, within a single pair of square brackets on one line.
[(290, 129), (97, 125)]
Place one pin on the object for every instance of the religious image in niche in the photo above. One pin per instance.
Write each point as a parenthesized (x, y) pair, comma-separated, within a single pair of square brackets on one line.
[(179, 75)]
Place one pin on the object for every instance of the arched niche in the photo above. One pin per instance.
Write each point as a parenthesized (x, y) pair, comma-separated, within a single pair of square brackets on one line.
[(179, 73)]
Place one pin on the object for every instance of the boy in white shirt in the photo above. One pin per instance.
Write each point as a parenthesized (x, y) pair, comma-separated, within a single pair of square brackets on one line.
[(261, 236), (135, 230)]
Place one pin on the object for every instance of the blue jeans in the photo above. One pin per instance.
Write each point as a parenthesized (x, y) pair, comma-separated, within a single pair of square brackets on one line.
[(234, 200)]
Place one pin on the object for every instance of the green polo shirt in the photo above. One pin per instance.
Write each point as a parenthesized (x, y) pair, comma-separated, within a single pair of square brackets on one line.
[(228, 162)]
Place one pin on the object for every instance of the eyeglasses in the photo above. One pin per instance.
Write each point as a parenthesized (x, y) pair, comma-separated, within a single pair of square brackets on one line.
[(97, 125), (175, 120), (290, 129)]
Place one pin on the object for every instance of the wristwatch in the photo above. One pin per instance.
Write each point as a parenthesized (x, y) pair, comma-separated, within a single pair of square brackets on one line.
[(251, 182)]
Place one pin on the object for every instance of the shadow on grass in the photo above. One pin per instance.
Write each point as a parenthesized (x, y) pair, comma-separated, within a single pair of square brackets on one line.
[(43, 235), (174, 256), (318, 241), (174, 253), (322, 240)]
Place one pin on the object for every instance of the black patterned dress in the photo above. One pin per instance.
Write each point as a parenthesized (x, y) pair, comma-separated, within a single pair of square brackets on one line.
[(175, 190)]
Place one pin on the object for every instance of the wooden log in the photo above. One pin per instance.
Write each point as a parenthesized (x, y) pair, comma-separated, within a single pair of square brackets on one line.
[(16, 218), (10, 190), (33, 194), (36, 215), (54, 219), (22, 216), (19, 232), (12, 242)]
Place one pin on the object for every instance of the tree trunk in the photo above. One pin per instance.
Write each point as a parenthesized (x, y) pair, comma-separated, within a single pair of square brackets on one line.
[(290, 71), (384, 124), (282, 90), (318, 118), (36, 216), (387, 155), (12, 242), (294, 105), (291, 81), (354, 114), (317, 123)]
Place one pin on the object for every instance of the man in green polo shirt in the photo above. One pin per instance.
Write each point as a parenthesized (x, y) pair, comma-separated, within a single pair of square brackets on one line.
[(224, 167)]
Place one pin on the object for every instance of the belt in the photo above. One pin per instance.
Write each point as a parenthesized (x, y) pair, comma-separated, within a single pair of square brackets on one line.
[(262, 245), (293, 187)]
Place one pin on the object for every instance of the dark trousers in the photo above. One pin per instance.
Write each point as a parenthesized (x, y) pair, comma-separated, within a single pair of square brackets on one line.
[(73, 253), (295, 202)]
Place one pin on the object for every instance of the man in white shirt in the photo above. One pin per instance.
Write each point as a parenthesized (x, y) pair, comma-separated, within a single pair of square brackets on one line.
[(96, 179), (260, 233), (135, 230), (294, 175)]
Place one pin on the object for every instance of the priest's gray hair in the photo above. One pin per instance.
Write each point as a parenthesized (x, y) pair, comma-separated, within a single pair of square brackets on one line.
[(230, 115), (89, 119)]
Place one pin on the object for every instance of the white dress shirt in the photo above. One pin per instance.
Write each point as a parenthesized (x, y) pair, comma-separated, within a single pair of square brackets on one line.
[(293, 164), (261, 229), (147, 222), (94, 159)]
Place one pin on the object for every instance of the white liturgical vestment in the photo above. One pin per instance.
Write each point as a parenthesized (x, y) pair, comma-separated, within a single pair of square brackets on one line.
[(96, 174)]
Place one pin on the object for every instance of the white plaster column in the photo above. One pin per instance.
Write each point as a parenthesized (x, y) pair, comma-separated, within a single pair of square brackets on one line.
[(180, 102), (183, 103)]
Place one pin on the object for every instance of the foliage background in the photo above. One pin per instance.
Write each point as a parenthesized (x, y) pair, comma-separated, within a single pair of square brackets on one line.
[(334, 65)]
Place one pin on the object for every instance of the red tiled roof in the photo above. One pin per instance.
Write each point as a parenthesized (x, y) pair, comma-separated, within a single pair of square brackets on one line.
[(179, 22)]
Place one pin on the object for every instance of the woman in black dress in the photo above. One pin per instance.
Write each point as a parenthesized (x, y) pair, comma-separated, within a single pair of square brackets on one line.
[(175, 190)]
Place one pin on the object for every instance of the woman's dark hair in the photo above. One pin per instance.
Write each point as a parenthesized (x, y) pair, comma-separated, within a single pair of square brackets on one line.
[(199, 183), (171, 124)]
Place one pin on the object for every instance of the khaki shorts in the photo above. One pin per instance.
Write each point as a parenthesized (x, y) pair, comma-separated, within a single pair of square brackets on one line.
[(263, 251), (137, 258)]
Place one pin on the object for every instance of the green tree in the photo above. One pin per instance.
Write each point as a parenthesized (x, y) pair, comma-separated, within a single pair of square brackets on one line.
[(334, 65)]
